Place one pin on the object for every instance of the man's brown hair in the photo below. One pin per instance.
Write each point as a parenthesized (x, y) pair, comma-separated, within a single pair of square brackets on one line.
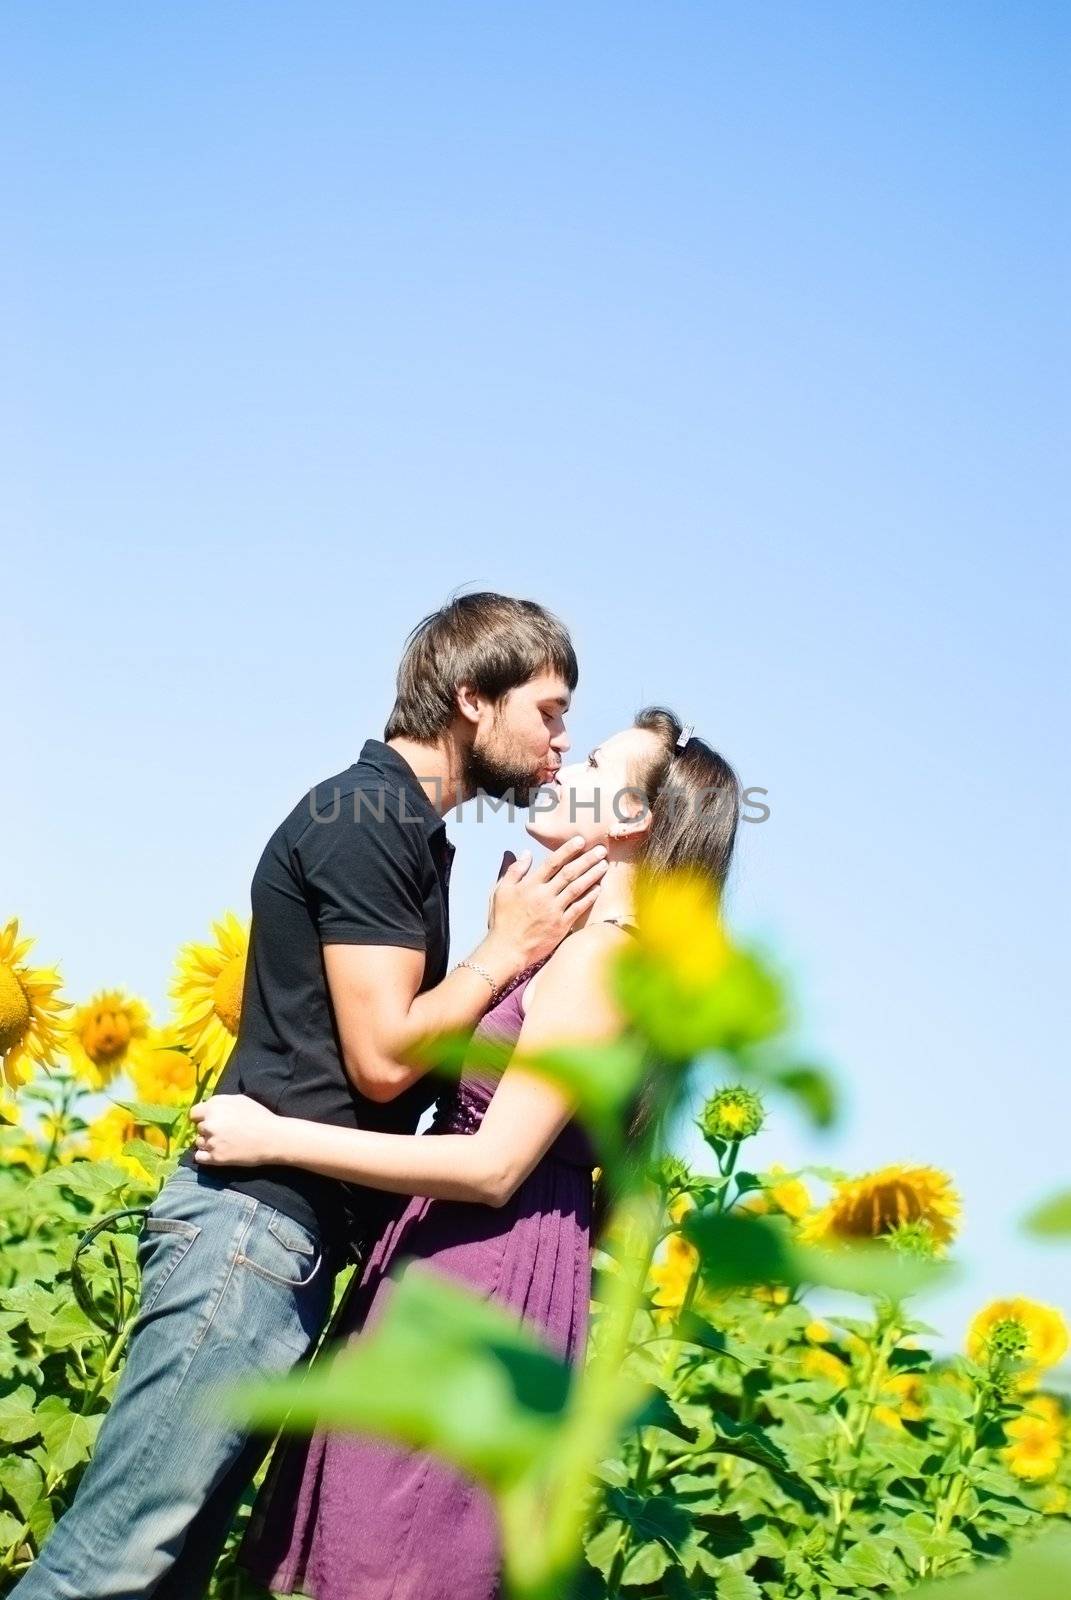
[(487, 640)]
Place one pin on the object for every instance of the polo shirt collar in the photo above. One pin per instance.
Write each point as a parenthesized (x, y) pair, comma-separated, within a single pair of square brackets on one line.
[(381, 758)]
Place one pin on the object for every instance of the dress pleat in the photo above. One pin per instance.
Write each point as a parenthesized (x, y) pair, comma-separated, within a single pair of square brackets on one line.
[(354, 1517)]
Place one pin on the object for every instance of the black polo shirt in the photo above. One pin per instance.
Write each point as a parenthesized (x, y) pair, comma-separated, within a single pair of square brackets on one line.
[(362, 859)]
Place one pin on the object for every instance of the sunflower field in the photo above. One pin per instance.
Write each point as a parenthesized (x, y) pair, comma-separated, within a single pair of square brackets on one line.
[(726, 1438)]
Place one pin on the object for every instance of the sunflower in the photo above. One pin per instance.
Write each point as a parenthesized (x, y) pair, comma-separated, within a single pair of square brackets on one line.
[(109, 1134), (106, 1036), (905, 1396), (164, 1075), (18, 1147), (790, 1196), (1036, 1439), (672, 1276), (207, 991), (1057, 1501), (771, 1294), (732, 1115), (821, 1363), (786, 1197), (679, 927), (1020, 1329), (879, 1203), (30, 1015)]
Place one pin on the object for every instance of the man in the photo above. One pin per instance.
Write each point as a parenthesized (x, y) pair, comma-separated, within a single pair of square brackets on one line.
[(347, 969)]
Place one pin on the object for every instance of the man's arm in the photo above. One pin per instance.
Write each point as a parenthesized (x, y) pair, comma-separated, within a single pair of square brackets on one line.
[(569, 1005), (381, 1016)]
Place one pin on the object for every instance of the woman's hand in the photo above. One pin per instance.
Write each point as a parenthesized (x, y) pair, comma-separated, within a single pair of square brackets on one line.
[(234, 1131)]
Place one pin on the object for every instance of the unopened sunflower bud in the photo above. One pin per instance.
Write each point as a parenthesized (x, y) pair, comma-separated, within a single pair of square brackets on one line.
[(914, 1239), (732, 1115), (1007, 1339)]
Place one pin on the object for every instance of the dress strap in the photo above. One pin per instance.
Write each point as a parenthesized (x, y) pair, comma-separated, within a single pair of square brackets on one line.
[(629, 927)]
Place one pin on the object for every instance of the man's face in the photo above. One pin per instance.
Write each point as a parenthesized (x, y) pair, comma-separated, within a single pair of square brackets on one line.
[(520, 742)]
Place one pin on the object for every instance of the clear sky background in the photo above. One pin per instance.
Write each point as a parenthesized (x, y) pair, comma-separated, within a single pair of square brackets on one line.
[(734, 332)]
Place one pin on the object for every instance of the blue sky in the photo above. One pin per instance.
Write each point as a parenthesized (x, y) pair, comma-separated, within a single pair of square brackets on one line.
[(733, 333)]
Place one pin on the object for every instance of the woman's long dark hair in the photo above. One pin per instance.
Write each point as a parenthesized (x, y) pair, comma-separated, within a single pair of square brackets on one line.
[(694, 799)]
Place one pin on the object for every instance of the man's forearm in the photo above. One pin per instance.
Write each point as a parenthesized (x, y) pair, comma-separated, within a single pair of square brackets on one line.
[(453, 1007), (457, 1003)]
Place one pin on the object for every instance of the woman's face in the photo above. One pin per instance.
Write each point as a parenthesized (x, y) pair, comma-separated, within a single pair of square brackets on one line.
[(596, 794)]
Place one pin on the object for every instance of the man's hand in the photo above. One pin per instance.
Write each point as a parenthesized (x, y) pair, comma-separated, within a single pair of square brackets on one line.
[(234, 1131), (533, 908)]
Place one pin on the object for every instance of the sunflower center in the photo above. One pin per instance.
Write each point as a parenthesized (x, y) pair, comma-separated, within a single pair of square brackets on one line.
[(14, 1009), (227, 994), (1008, 1337), (106, 1035)]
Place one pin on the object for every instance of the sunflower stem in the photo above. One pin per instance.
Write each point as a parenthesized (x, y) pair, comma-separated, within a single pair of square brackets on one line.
[(889, 1333)]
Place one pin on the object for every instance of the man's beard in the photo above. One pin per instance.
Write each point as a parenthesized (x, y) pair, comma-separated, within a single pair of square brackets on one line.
[(500, 777)]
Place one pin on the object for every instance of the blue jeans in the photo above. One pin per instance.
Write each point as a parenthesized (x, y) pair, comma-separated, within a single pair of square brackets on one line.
[(231, 1289)]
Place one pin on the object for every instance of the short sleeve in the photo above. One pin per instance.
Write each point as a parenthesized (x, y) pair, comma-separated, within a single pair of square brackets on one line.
[(363, 876)]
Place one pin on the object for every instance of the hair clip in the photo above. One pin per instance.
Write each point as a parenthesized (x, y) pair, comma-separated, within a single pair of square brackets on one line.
[(685, 735)]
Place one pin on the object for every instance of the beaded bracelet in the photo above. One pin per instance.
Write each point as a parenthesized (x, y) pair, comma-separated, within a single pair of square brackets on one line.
[(483, 972)]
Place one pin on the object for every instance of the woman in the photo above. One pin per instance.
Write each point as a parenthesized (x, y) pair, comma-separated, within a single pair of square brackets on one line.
[(502, 1192)]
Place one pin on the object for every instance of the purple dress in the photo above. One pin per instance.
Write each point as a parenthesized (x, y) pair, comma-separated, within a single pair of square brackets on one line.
[(352, 1517)]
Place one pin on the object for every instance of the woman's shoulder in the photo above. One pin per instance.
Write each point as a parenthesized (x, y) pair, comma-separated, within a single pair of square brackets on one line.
[(581, 959)]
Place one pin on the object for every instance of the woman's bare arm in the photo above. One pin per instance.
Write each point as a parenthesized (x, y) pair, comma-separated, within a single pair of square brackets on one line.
[(572, 1005)]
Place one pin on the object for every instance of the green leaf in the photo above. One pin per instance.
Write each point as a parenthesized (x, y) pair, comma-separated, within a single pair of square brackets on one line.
[(154, 1116), (69, 1326), (743, 1006), (738, 1250), (41, 1519), (68, 1436), (734, 1585), (602, 1546), (17, 1419), (660, 1413), (442, 1371), (1040, 1570), (93, 1180), (600, 1079), (866, 1269), (749, 1441), (678, 1586), (1052, 1219), (156, 1164), (10, 1528), (29, 1303), (646, 1564), (660, 1517), (22, 1481), (813, 1089), (723, 1532), (747, 1181), (866, 1565), (904, 1358)]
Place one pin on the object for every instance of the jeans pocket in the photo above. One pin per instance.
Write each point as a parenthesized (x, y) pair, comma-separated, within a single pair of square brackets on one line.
[(282, 1251), (163, 1243)]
